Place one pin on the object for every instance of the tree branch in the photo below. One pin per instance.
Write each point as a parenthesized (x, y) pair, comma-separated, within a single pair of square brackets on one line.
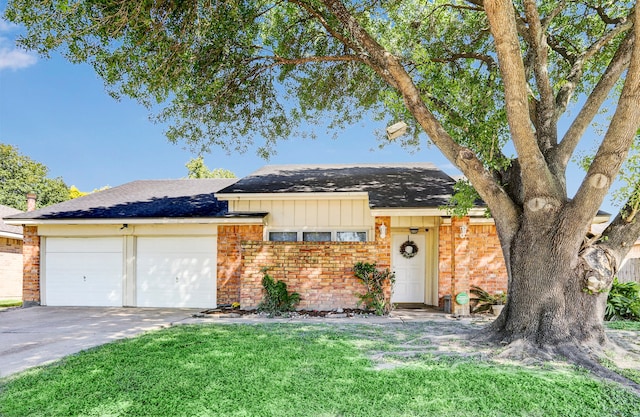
[(491, 64), (301, 61), (546, 21), (620, 236), (536, 178), (564, 95), (619, 63), (561, 50), (546, 131), (617, 141), (392, 71), (346, 42), (605, 17)]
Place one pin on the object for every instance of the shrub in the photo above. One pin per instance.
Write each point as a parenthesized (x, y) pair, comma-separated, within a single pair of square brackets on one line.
[(374, 280), (277, 299), (483, 301), (623, 301)]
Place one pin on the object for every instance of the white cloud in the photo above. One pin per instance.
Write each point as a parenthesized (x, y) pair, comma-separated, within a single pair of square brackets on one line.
[(15, 58), (10, 56), (7, 26)]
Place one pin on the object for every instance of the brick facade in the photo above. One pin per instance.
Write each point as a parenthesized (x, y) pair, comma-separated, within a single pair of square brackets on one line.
[(10, 268), (475, 259), (230, 259), (321, 272), (31, 259)]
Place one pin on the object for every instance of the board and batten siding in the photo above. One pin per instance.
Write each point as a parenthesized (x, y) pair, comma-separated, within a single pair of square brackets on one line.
[(334, 213), (630, 271)]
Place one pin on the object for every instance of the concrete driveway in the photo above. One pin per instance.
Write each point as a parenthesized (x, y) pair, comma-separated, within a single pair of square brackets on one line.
[(38, 335)]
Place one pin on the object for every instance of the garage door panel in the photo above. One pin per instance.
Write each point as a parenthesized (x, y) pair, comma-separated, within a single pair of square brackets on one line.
[(176, 272), (78, 272), (84, 245)]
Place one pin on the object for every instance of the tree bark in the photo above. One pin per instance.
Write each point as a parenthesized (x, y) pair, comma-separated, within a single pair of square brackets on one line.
[(549, 304)]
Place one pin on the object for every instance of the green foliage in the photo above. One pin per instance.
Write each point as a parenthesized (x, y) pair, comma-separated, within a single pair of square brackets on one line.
[(229, 72), (483, 301), (623, 301), (20, 175), (628, 194), (74, 192), (464, 198), (198, 169), (375, 280), (303, 370), (277, 299)]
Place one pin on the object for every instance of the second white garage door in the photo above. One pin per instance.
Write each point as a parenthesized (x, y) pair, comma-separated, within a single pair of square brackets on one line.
[(176, 272)]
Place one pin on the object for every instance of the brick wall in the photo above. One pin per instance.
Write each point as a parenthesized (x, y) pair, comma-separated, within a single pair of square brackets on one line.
[(230, 259), (488, 269), (10, 268), (321, 272), (31, 258), (445, 262), (478, 260)]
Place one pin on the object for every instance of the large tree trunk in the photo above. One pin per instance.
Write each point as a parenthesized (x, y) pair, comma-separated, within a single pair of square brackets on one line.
[(556, 300), (549, 302)]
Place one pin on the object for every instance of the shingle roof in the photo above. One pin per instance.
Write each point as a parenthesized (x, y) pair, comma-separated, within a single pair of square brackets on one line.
[(6, 228), (408, 185), (186, 198)]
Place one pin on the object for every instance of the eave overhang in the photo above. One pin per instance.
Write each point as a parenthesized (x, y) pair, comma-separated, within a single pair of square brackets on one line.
[(231, 218)]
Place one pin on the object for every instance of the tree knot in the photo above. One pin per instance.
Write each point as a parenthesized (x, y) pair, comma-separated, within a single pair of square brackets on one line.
[(599, 269)]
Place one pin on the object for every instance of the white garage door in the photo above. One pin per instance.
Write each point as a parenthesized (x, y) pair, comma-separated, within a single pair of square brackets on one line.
[(176, 272), (83, 272)]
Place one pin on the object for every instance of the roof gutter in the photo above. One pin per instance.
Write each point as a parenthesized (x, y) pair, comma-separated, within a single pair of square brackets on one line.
[(165, 220), (433, 212), (11, 235)]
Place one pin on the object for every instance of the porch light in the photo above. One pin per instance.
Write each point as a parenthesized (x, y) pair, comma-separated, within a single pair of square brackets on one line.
[(383, 231), (413, 230), (396, 130)]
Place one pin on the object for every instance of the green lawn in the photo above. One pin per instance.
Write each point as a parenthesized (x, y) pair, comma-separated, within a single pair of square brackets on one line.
[(297, 370), (623, 325), (10, 303)]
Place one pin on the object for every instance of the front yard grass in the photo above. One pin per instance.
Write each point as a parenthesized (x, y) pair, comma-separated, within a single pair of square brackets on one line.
[(10, 303), (280, 369)]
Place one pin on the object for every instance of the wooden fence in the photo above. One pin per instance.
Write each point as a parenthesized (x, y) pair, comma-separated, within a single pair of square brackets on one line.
[(630, 271)]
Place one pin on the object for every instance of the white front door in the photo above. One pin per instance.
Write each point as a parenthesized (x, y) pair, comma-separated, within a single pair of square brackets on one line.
[(83, 272), (410, 272), (176, 272)]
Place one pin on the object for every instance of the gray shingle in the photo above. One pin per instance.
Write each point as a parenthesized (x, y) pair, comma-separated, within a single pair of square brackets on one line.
[(186, 198), (409, 185), (6, 211)]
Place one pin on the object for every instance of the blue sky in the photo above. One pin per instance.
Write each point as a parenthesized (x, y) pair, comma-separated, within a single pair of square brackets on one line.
[(59, 114)]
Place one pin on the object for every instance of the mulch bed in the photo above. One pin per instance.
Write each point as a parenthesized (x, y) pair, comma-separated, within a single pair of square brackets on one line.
[(340, 313)]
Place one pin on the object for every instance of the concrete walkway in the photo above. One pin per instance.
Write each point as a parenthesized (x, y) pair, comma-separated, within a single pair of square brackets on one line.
[(38, 335)]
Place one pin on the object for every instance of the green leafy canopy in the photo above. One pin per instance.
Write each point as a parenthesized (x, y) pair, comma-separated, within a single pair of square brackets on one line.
[(20, 175), (225, 73)]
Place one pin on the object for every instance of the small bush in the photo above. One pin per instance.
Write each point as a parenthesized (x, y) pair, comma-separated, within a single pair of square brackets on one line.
[(374, 280), (623, 301), (277, 299)]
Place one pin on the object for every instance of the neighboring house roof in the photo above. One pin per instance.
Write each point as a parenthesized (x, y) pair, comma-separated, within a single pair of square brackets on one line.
[(186, 198), (7, 230), (408, 185)]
